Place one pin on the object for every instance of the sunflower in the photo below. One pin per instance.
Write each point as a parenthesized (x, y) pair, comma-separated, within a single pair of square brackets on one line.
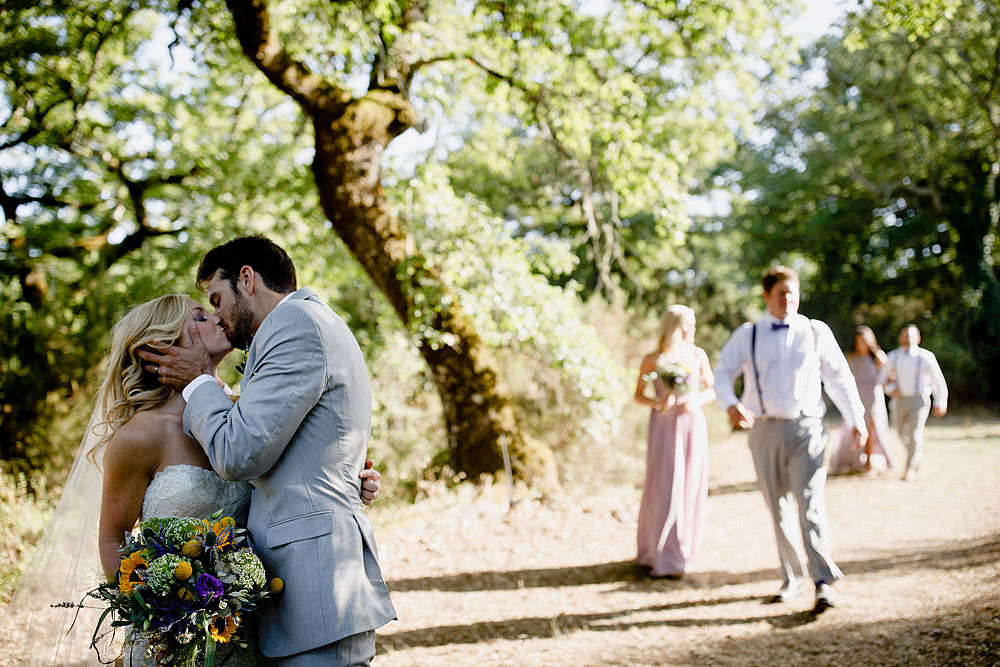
[(226, 633), (136, 559), (131, 575)]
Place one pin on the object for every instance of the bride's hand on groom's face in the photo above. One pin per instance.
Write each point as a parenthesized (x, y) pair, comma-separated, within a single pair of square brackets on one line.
[(176, 365)]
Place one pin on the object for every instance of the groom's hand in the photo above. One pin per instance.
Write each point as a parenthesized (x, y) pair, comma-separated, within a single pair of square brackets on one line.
[(371, 482), (177, 365)]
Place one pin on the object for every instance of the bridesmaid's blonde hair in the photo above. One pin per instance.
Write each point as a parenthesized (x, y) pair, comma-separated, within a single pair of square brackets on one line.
[(671, 325), (128, 389)]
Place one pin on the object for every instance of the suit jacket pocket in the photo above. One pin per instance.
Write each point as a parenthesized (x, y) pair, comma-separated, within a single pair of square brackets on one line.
[(303, 527)]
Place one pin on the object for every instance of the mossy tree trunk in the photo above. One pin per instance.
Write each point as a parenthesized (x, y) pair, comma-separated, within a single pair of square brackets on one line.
[(351, 134)]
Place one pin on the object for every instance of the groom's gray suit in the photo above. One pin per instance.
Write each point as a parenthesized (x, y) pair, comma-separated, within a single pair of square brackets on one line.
[(299, 432)]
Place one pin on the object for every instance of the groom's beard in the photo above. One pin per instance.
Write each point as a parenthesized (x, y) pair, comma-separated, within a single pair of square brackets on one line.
[(239, 331)]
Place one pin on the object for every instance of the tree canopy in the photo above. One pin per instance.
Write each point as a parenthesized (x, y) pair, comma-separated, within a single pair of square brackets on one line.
[(565, 147)]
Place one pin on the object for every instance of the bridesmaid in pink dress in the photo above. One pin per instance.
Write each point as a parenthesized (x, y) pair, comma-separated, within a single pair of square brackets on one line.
[(676, 485), (866, 359)]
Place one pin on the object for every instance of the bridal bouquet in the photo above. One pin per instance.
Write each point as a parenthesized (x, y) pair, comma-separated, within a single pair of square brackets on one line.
[(673, 374), (185, 584)]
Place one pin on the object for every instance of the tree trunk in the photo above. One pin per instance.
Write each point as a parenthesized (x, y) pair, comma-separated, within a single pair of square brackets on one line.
[(351, 135)]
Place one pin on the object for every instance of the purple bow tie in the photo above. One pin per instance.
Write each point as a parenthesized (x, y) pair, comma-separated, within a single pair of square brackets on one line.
[(775, 326)]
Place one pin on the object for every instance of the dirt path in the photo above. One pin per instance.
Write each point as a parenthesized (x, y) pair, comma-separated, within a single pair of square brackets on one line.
[(555, 584)]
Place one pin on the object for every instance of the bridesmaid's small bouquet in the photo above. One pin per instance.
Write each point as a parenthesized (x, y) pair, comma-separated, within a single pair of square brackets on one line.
[(186, 584), (673, 374)]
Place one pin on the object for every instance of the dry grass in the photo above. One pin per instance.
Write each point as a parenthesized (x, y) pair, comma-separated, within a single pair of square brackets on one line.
[(23, 517), (553, 583)]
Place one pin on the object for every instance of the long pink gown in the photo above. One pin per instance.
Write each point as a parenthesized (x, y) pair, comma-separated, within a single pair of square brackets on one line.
[(676, 489), (845, 459)]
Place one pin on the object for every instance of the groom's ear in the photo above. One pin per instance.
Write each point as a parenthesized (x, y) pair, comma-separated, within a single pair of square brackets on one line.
[(248, 279)]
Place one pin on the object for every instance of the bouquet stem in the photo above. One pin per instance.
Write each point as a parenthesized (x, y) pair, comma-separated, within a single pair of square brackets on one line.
[(209, 652)]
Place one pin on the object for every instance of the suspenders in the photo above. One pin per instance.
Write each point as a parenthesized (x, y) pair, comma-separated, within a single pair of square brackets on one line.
[(753, 361), (756, 376)]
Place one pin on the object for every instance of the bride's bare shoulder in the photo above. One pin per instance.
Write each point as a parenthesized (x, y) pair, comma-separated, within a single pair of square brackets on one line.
[(142, 437)]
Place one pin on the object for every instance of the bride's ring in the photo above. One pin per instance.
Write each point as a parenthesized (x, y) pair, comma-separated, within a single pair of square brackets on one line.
[(156, 369)]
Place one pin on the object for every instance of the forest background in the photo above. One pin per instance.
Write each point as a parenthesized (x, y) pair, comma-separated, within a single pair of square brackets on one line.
[(572, 168)]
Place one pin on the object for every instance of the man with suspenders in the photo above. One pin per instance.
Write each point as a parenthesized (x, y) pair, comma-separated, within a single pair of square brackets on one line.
[(785, 359), (914, 376)]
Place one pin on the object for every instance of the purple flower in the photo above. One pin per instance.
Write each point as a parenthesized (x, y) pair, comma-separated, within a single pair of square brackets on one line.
[(208, 587)]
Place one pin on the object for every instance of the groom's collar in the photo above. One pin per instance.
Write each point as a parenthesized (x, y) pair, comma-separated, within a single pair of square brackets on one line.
[(301, 293), (768, 318)]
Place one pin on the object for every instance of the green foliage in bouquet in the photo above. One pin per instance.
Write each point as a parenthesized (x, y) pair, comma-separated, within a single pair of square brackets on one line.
[(675, 375), (185, 584)]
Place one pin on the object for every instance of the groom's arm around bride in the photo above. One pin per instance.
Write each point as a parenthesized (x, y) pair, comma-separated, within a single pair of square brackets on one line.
[(299, 433)]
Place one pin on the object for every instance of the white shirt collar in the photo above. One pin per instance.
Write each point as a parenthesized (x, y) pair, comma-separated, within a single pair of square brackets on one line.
[(771, 319)]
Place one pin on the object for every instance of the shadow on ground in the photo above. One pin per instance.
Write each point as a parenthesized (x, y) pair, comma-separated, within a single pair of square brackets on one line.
[(956, 555), (544, 627), (969, 637)]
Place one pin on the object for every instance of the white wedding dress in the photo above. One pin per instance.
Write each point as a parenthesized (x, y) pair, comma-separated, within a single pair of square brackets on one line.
[(187, 490)]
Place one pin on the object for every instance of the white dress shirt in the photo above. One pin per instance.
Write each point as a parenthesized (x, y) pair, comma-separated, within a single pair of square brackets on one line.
[(916, 373), (205, 377), (795, 359)]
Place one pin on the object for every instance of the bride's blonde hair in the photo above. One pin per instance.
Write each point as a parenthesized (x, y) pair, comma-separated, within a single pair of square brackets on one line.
[(128, 389), (675, 318)]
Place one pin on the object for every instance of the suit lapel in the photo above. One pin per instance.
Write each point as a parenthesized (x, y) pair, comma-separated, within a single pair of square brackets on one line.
[(302, 293)]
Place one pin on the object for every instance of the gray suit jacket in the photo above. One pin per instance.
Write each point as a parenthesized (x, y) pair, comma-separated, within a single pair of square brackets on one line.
[(299, 433)]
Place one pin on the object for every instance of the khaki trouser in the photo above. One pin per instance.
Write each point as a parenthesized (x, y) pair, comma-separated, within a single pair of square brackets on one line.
[(788, 457), (911, 415)]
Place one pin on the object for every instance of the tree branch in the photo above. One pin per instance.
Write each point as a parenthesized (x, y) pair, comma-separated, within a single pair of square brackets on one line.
[(982, 99), (264, 49)]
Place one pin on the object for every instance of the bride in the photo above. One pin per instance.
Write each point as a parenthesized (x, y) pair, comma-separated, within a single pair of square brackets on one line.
[(150, 468)]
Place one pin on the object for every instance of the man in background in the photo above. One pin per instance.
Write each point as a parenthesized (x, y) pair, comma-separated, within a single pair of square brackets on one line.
[(912, 376)]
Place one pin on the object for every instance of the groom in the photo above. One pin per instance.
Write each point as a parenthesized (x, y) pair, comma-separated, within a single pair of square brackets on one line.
[(299, 433)]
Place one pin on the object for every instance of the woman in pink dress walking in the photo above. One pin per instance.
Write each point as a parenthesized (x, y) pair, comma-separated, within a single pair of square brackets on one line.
[(676, 486), (866, 359)]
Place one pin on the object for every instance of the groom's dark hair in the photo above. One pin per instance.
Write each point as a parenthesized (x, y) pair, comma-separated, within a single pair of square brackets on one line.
[(260, 253)]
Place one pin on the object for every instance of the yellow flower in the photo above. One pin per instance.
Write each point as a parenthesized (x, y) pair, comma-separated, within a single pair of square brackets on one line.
[(129, 564), (227, 632), (276, 585), (183, 571), (184, 594), (191, 549), (130, 576), (126, 585), (225, 530)]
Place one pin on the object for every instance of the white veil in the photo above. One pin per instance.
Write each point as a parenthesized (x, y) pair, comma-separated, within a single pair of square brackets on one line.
[(66, 565)]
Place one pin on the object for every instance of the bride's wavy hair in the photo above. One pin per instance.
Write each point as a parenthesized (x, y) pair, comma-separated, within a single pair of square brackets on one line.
[(674, 319), (127, 388)]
